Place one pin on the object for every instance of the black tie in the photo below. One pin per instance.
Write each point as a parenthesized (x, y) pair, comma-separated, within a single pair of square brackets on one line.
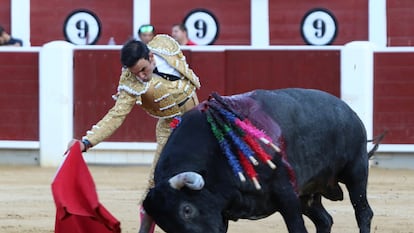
[(168, 77)]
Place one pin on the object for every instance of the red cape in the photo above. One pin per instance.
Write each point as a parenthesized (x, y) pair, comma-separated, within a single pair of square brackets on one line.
[(77, 207)]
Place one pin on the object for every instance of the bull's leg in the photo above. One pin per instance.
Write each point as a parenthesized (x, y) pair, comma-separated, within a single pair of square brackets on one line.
[(356, 183), (313, 208), (363, 212), (291, 211)]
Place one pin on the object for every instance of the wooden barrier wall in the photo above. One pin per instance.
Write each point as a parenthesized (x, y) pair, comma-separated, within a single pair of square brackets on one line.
[(47, 20), (5, 14), (228, 72), (19, 96), (400, 30), (286, 17), (394, 96)]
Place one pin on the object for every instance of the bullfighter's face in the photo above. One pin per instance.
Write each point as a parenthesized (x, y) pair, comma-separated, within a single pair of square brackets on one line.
[(185, 210), (143, 68)]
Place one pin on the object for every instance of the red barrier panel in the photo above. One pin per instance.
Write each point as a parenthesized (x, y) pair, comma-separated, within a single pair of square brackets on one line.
[(394, 97), (233, 18), (247, 70), (19, 96), (47, 21), (400, 31), (286, 17), (5, 14), (211, 69)]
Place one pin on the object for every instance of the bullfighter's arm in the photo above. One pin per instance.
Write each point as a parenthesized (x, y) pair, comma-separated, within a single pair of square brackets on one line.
[(113, 119)]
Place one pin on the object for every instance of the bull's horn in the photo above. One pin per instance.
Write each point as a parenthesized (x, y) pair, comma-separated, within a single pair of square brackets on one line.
[(192, 180)]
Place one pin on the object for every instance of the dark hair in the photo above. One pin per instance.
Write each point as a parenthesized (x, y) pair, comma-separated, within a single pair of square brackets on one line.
[(181, 26), (146, 28), (1, 30), (132, 51)]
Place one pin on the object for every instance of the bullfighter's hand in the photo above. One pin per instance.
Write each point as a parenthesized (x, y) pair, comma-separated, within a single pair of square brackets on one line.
[(73, 141)]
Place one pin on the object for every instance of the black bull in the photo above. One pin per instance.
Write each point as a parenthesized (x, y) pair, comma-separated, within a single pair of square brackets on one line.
[(324, 142)]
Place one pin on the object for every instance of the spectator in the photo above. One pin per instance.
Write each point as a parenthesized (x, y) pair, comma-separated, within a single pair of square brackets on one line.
[(7, 40), (179, 33), (146, 32)]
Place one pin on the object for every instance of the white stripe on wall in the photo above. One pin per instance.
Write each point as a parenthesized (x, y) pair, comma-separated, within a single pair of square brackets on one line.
[(141, 14), (377, 26), (20, 20), (259, 22)]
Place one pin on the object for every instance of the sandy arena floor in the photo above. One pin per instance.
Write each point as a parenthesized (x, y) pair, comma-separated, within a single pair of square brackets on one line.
[(26, 202)]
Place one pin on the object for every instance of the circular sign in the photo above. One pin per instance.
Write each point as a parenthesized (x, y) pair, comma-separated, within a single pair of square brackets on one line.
[(319, 27), (82, 27), (202, 27)]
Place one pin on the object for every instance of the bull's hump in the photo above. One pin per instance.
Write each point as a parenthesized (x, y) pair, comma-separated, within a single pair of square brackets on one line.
[(249, 107)]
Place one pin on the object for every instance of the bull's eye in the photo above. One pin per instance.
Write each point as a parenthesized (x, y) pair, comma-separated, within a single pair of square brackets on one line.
[(187, 211)]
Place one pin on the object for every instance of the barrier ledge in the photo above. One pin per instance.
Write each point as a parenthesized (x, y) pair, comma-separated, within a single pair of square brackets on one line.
[(97, 47), (19, 145), (401, 148), (13, 152), (394, 156), (146, 146), (399, 49), (220, 48), (20, 49), (121, 153)]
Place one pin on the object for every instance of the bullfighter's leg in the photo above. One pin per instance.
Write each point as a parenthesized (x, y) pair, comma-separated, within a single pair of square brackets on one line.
[(356, 183), (162, 133), (147, 223), (313, 208)]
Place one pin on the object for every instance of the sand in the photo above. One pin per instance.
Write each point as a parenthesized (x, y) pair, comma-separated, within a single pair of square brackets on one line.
[(26, 202)]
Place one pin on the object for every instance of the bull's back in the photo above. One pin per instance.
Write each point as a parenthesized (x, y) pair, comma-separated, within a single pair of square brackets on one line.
[(321, 132)]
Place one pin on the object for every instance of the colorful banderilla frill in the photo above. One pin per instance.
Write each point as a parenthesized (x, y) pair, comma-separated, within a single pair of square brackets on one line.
[(236, 133), (246, 125), (225, 147)]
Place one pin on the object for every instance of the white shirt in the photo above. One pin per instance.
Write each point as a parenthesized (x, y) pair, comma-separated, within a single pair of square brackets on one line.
[(164, 67)]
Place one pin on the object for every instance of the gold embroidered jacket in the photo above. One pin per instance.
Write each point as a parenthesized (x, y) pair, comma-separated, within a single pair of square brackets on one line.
[(159, 97)]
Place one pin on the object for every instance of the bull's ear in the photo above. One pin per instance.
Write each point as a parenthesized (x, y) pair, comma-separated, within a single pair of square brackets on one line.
[(192, 180)]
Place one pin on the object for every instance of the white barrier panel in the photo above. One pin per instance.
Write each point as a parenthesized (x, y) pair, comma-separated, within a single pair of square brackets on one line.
[(55, 101), (377, 18), (357, 80), (259, 26), (20, 20)]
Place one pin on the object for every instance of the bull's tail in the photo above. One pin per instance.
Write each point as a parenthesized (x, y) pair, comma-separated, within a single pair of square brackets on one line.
[(377, 140)]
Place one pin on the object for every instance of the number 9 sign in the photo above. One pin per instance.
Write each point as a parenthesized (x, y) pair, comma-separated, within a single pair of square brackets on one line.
[(319, 27), (202, 27), (82, 27)]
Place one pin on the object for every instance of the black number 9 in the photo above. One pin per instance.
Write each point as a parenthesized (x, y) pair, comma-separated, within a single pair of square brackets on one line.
[(83, 28), (201, 28), (320, 27)]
